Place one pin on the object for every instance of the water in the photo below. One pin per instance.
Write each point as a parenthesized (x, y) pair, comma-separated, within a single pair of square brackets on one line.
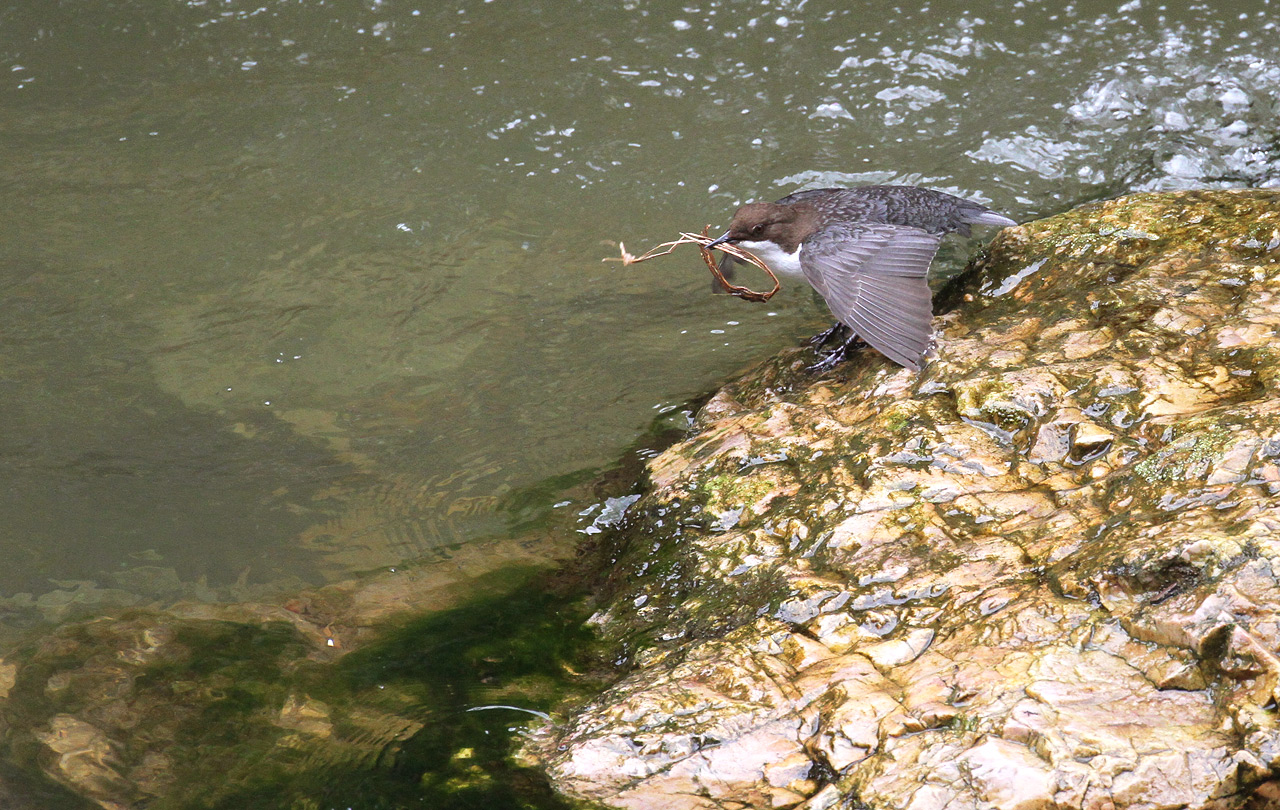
[(292, 290)]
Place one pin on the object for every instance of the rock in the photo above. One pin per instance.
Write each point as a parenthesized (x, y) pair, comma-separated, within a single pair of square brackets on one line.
[(87, 759), (306, 716), (1043, 573), (8, 677)]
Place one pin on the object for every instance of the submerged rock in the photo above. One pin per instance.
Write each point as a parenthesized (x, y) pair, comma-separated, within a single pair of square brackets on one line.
[(252, 704), (1045, 572)]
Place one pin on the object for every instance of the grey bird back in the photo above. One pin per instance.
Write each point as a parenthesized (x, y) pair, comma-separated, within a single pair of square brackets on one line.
[(930, 211)]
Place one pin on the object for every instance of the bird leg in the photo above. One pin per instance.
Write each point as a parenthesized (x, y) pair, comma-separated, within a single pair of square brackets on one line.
[(824, 337), (837, 356)]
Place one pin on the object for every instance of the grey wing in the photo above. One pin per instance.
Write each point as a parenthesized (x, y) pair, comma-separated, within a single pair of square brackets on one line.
[(875, 279)]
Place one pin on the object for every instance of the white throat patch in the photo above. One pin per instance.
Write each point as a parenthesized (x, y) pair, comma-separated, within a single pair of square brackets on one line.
[(787, 264)]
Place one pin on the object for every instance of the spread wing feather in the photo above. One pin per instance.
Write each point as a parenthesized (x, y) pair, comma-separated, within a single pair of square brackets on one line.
[(875, 279)]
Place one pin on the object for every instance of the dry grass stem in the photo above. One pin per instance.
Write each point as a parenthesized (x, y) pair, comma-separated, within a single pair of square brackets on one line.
[(701, 240)]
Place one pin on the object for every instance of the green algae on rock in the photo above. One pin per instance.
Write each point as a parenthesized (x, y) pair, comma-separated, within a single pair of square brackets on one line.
[(1045, 572), (357, 689)]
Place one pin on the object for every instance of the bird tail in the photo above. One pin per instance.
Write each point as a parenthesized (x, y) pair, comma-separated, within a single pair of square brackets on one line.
[(983, 216)]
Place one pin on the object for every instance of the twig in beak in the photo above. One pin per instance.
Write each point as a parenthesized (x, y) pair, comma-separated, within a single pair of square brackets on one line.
[(708, 256)]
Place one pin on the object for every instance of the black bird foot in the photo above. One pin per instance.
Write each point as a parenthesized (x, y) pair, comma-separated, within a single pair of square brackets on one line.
[(837, 356), (824, 337), (827, 363)]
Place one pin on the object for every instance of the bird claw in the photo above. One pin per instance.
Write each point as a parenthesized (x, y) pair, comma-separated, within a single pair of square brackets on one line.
[(830, 361), (837, 356), (824, 337)]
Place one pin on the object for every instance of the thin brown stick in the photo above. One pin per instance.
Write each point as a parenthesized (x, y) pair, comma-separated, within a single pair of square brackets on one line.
[(701, 240)]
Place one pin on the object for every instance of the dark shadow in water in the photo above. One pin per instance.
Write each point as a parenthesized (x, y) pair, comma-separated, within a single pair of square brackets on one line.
[(20, 790), (524, 649)]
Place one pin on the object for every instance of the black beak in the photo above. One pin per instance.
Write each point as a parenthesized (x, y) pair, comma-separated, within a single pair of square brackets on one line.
[(717, 241)]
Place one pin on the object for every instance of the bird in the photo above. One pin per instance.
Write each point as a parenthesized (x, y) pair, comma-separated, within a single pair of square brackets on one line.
[(867, 251)]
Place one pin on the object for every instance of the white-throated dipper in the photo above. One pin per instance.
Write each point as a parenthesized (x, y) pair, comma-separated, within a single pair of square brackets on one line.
[(867, 251)]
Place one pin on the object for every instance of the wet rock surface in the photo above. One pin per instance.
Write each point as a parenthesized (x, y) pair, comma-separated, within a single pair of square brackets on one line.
[(1045, 572)]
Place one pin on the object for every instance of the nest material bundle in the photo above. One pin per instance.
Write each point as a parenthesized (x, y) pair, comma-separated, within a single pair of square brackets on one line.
[(702, 240)]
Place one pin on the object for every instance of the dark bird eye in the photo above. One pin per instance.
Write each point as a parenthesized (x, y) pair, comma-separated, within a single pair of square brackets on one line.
[(757, 230)]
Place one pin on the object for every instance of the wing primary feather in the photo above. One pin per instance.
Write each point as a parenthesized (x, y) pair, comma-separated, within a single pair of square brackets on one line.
[(895, 304), (908, 358), (887, 330), (873, 277), (884, 332)]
